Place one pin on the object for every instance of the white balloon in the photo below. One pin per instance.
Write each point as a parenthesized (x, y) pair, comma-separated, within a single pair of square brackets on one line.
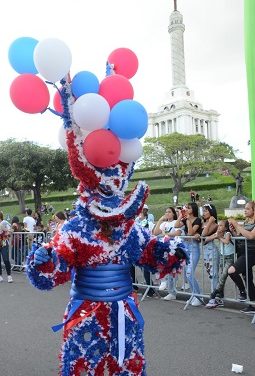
[(131, 150), (62, 138), (91, 111), (52, 59)]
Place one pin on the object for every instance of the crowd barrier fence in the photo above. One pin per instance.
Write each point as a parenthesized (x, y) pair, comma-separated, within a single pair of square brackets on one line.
[(206, 274)]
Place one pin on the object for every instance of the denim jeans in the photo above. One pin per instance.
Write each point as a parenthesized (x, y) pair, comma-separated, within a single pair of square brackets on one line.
[(4, 251), (227, 261), (212, 263), (193, 250), (171, 284)]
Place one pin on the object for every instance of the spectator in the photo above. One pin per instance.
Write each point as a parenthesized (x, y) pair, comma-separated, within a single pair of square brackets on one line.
[(192, 196), (146, 220), (37, 217), (165, 228), (192, 227), (5, 228), (29, 221), (209, 198), (227, 251), (60, 219), (40, 236), (16, 242), (248, 231), (210, 250), (197, 197)]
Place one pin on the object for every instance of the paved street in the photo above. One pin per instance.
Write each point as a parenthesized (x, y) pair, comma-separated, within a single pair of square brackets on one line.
[(195, 342)]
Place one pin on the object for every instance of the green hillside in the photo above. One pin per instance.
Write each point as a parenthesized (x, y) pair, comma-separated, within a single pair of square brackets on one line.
[(220, 188)]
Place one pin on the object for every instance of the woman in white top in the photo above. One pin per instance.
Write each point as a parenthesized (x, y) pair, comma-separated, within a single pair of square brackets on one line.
[(5, 228), (165, 228)]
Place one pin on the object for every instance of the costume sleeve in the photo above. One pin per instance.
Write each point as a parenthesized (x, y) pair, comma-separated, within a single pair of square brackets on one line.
[(158, 256), (49, 274)]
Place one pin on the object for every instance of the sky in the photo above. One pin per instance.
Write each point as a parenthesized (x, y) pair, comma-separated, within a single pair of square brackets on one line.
[(213, 40)]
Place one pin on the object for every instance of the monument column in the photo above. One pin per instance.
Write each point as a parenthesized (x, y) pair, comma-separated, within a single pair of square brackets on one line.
[(176, 29)]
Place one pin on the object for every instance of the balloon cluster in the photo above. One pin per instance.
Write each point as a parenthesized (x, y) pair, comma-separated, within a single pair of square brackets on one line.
[(110, 120)]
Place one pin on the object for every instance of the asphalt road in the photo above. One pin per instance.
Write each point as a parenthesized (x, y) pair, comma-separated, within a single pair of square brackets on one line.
[(195, 342)]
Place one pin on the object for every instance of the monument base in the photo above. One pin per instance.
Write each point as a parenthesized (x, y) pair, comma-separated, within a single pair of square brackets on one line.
[(236, 206), (233, 212)]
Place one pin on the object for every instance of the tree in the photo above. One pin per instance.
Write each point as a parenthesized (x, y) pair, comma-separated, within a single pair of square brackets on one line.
[(28, 166), (186, 156), (241, 164)]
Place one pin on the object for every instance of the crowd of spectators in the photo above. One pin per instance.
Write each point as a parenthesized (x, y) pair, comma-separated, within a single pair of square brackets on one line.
[(17, 236), (215, 241), (199, 227)]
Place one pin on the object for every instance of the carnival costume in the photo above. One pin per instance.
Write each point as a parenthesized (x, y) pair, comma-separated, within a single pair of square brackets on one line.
[(103, 328)]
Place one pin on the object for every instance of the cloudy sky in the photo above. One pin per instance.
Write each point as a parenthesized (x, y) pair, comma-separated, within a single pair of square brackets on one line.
[(215, 68)]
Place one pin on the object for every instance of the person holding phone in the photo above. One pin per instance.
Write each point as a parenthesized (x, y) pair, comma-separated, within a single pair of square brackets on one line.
[(246, 230), (192, 228)]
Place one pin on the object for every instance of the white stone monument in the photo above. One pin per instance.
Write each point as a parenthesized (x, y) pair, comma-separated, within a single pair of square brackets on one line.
[(180, 112)]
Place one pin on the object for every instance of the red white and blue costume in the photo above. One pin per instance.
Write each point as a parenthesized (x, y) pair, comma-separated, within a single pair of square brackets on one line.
[(103, 329)]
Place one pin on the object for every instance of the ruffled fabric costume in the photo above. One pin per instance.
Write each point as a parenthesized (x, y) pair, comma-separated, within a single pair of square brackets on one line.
[(102, 327)]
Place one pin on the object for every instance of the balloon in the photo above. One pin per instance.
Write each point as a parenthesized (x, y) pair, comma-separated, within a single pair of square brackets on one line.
[(21, 55), (125, 62), (91, 111), (116, 88), (84, 82), (29, 93), (57, 103), (128, 119), (62, 138), (52, 58), (131, 150), (101, 148)]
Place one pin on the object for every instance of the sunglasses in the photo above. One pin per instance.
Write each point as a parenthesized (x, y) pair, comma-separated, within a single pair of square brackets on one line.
[(207, 205)]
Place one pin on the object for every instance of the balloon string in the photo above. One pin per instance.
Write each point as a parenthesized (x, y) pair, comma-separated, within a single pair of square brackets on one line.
[(60, 114)]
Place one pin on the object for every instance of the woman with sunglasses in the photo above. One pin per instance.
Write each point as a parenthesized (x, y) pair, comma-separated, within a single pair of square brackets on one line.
[(210, 250), (192, 227)]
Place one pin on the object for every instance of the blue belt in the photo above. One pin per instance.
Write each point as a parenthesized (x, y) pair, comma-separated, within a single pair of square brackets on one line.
[(104, 283)]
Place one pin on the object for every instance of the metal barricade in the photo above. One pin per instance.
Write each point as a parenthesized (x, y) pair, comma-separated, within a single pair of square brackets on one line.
[(202, 274), (20, 245)]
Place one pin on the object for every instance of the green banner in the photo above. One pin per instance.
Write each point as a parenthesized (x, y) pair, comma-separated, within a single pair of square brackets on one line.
[(249, 43)]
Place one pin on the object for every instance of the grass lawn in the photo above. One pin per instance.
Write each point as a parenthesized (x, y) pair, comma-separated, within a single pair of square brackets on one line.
[(158, 202)]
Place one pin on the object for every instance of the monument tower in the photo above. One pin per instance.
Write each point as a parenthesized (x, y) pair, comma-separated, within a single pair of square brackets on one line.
[(180, 112)]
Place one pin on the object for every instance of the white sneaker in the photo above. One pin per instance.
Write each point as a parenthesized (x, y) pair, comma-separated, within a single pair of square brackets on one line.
[(195, 302), (1, 278), (9, 279), (185, 286), (162, 286), (170, 297)]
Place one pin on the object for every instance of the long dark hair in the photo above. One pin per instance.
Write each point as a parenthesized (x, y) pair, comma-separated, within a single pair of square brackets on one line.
[(174, 211), (212, 210), (194, 208)]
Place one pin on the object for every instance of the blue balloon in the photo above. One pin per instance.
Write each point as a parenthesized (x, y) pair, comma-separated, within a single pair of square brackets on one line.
[(128, 119), (83, 83), (21, 55)]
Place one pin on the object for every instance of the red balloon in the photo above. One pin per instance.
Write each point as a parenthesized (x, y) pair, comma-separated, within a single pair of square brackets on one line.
[(29, 93), (125, 62), (116, 88), (102, 148), (57, 103)]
